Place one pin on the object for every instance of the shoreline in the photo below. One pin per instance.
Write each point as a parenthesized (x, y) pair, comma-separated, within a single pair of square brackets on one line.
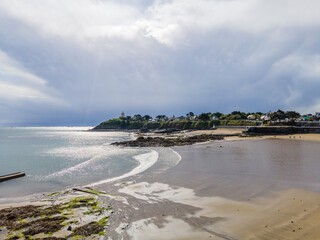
[(164, 199)]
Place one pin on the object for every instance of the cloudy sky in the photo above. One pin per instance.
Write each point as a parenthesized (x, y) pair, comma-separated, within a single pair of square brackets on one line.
[(79, 62)]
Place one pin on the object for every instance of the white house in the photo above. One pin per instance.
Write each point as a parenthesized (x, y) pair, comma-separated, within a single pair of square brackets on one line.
[(265, 118), (251, 117), (193, 118), (214, 118)]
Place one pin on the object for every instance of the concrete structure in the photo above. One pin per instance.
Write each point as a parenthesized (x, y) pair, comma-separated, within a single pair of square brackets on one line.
[(278, 130), (11, 176)]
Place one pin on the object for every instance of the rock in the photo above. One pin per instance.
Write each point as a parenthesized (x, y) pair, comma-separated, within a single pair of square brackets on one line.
[(168, 142)]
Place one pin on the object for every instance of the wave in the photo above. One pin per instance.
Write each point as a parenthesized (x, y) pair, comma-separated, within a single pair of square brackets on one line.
[(145, 160), (72, 169), (178, 155), (91, 155)]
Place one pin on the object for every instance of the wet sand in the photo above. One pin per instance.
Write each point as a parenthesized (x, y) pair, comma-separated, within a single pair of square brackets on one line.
[(265, 189), (250, 189)]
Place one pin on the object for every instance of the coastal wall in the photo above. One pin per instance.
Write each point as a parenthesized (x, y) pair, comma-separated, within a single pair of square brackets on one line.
[(281, 130)]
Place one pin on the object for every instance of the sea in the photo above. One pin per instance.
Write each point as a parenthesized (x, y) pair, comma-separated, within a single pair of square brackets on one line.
[(56, 158)]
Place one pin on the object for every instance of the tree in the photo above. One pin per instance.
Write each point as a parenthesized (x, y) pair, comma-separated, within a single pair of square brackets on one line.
[(234, 117), (217, 114), (278, 115), (204, 116), (147, 117), (190, 114), (162, 118), (292, 115), (137, 117), (236, 114)]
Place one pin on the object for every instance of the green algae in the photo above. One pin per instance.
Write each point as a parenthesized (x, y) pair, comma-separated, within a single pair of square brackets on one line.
[(103, 221), (77, 237), (52, 194), (27, 221)]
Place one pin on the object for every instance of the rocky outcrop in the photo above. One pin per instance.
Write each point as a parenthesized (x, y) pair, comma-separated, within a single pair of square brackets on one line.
[(168, 142)]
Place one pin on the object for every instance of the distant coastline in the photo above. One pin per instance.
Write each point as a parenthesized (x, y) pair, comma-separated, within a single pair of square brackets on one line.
[(206, 121)]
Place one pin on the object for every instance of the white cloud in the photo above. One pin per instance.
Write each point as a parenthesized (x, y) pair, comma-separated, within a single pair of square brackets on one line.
[(13, 92), (16, 83), (169, 22)]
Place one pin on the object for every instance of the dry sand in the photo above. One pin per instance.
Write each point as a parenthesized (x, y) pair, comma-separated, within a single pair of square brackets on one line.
[(305, 137), (218, 131)]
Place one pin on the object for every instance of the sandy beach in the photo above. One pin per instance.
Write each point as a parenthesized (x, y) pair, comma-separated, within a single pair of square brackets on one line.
[(257, 188), (304, 137)]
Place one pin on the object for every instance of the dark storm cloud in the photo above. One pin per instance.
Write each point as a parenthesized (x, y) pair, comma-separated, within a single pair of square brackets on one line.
[(79, 62)]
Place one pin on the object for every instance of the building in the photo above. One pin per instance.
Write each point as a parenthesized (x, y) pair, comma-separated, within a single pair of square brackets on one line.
[(265, 118), (213, 118), (122, 115)]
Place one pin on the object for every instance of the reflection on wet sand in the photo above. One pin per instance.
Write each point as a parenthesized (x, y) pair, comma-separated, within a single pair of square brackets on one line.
[(265, 189)]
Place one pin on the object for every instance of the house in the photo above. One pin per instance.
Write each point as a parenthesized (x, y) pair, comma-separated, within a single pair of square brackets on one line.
[(265, 118), (213, 118), (251, 117), (173, 118), (317, 114)]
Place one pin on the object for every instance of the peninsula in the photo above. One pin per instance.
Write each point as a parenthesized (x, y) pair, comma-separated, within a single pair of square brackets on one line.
[(206, 121)]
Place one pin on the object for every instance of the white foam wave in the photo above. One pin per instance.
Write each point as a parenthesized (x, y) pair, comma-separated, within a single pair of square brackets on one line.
[(178, 155), (92, 153), (146, 160), (73, 168)]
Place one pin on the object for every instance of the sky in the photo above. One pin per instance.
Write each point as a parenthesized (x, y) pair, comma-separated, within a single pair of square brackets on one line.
[(80, 62)]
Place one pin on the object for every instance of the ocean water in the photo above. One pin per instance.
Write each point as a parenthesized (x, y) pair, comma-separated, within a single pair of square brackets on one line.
[(55, 158)]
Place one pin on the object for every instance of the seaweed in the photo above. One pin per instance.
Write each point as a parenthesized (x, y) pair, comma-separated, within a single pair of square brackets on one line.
[(27, 221), (88, 229)]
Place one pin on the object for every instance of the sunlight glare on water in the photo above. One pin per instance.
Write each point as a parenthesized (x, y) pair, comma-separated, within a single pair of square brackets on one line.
[(54, 158)]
